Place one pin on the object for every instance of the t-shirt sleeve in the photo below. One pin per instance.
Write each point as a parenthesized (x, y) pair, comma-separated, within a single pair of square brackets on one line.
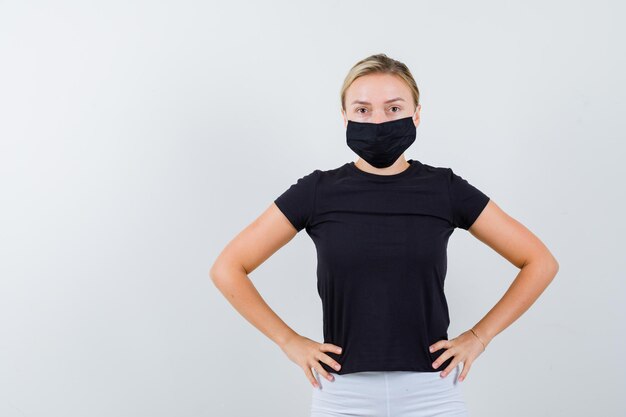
[(298, 201), (467, 201)]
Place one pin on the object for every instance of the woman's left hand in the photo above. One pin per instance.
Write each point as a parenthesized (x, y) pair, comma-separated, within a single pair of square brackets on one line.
[(465, 348)]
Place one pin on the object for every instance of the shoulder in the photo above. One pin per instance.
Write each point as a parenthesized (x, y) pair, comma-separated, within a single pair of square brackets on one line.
[(435, 169), (446, 173), (334, 171), (435, 174), (310, 179), (329, 176)]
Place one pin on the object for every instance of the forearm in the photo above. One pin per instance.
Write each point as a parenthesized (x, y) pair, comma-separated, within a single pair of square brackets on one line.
[(234, 283), (528, 285)]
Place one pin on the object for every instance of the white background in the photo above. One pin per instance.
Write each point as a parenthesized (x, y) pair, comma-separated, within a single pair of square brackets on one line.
[(137, 138)]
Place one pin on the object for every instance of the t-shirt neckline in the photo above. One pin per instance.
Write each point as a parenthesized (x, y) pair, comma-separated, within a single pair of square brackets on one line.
[(414, 164)]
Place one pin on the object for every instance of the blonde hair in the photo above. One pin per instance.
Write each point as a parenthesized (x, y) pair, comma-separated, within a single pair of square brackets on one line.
[(382, 64)]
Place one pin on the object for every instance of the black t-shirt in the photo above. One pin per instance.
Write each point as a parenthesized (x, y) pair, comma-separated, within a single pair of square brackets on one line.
[(381, 243)]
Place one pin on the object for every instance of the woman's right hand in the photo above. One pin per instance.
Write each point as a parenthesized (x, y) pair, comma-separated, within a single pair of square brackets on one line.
[(307, 353)]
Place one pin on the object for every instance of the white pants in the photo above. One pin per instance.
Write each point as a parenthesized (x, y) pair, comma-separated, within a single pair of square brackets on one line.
[(389, 394)]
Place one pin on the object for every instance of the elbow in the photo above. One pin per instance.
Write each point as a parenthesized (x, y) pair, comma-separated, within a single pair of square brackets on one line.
[(545, 265), (555, 267), (552, 266), (223, 271), (219, 270), (216, 272)]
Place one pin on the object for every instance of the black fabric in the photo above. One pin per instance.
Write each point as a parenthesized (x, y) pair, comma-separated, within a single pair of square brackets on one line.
[(381, 144), (381, 243)]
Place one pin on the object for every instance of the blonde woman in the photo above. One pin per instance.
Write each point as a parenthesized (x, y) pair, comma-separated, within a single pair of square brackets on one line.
[(380, 226)]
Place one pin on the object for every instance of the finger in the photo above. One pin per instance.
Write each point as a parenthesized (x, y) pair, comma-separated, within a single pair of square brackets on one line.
[(443, 357), (321, 371), (328, 361), (450, 367), (436, 346), (328, 347), (440, 344), (466, 367), (311, 377)]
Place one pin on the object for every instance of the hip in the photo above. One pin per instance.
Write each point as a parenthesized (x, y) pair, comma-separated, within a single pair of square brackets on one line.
[(389, 393)]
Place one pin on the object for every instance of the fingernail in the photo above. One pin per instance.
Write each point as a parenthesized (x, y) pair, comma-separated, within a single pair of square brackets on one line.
[(337, 367), (430, 348)]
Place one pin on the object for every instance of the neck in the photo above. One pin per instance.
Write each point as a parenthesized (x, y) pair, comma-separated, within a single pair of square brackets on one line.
[(397, 167)]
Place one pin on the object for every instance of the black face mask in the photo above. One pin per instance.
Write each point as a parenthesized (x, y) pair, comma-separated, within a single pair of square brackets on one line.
[(381, 144)]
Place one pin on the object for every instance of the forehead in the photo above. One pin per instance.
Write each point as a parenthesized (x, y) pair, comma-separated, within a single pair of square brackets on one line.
[(377, 89)]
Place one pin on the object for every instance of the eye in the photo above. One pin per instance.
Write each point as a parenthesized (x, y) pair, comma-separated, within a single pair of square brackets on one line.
[(395, 107), (360, 108)]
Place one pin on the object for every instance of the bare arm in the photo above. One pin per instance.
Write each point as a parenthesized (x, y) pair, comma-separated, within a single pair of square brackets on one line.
[(523, 249), (242, 255), (537, 266)]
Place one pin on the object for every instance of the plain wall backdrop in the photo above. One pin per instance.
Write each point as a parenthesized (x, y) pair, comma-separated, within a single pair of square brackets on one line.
[(138, 138)]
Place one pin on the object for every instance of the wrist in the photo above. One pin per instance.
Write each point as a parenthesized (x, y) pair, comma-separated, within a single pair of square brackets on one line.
[(284, 338), (484, 332), (481, 338)]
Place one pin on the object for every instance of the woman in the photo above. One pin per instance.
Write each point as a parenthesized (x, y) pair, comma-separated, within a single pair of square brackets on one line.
[(381, 227)]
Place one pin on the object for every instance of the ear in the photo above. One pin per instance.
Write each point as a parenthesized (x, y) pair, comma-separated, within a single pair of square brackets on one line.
[(416, 116), (345, 118)]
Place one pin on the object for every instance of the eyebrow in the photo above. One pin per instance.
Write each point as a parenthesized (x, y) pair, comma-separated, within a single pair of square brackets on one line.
[(388, 101)]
